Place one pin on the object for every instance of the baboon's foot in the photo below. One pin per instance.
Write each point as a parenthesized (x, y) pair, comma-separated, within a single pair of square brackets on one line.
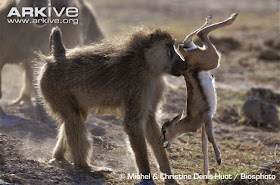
[(146, 182), (23, 100), (58, 156), (56, 162), (102, 169), (60, 163), (94, 169), (171, 182)]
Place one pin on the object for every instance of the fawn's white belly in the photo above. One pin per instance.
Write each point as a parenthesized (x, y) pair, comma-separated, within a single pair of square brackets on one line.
[(208, 85)]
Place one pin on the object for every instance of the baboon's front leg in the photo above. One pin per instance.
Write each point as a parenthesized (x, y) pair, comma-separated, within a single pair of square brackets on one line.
[(210, 133), (27, 89), (153, 134), (134, 127)]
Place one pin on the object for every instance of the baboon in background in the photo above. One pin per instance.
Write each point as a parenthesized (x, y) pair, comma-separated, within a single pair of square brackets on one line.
[(19, 41), (117, 76)]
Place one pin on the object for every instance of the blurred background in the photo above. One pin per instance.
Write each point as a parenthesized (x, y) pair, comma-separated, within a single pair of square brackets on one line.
[(248, 89), (182, 16)]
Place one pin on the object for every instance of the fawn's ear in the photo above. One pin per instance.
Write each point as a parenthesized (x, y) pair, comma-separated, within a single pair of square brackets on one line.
[(177, 118), (166, 124)]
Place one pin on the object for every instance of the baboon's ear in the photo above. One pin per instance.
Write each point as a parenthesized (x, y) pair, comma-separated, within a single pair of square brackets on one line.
[(151, 37)]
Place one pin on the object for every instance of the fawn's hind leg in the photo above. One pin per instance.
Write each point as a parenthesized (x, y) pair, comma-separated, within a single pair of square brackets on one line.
[(210, 133)]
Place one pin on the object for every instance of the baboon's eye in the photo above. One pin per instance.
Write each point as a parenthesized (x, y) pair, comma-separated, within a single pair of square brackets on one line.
[(170, 53)]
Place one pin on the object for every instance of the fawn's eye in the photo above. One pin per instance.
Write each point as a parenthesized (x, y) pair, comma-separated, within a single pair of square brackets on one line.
[(163, 132)]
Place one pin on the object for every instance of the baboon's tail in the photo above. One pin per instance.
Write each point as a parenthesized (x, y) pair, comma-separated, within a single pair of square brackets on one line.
[(57, 48)]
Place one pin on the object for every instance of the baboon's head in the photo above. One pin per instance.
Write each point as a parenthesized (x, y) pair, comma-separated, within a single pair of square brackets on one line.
[(162, 55), (169, 132)]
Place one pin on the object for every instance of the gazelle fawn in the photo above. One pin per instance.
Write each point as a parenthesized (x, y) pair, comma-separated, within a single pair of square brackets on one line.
[(201, 94)]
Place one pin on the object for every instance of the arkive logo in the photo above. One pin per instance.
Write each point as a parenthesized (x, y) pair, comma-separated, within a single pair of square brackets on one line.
[(43, 12)]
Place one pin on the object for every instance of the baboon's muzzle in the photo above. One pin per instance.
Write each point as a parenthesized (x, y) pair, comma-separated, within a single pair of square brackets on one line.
[(179, 67)]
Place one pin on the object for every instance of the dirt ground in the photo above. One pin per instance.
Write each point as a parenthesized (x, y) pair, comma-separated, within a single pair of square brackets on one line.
[(26, 143)]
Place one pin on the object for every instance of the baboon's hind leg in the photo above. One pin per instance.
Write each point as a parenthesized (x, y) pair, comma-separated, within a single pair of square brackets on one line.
[(75, 133), (61, 145), (210, 134), (76, 136)]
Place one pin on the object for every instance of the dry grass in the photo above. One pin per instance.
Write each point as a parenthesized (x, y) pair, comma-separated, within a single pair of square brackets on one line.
[(185, 155), (186, 158)]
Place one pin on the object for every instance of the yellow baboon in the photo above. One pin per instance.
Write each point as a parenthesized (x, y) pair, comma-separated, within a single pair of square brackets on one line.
[(117, 76)]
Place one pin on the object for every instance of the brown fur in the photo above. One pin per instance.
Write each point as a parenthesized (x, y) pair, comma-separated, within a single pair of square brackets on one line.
[(121, 76), (19, 41)]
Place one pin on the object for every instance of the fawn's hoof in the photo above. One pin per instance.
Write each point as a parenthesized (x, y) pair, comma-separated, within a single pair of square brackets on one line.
[(219, 161), (234, 15)]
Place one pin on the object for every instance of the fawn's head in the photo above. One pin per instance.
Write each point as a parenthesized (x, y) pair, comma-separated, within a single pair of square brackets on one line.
[(169, 132)]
